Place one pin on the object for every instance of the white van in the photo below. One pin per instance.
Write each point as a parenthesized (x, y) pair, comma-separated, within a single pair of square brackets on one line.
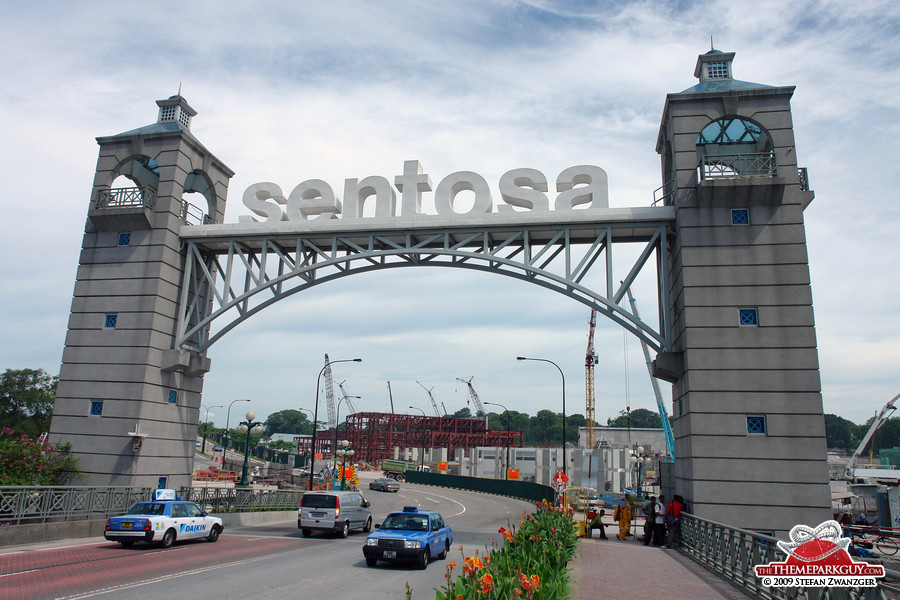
[(333, 511)]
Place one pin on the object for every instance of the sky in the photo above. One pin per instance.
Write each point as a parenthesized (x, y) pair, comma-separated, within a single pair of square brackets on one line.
[(289, 91)]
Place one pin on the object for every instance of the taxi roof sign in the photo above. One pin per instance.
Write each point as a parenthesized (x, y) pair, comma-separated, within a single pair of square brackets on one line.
[(163, 494)]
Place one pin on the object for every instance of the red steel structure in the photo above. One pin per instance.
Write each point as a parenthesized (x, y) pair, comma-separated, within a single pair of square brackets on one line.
[(373, 434)]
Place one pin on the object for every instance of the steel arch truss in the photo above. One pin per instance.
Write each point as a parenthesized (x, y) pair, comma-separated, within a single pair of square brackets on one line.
[(228, 279)]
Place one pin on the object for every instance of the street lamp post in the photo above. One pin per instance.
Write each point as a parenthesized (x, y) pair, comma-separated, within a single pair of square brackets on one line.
[(344, 453), (506, 472), (250, 427), (227, 419), (422, 431), (206, 429), (563, 402), (312, 454), (300, 439), (337, 421), (639, 458)]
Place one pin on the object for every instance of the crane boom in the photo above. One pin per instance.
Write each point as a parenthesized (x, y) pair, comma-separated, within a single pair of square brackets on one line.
[(437, 413), (882, 416), (473, 395), (350, 406), (590, 359), (663, 414), (329, 394)]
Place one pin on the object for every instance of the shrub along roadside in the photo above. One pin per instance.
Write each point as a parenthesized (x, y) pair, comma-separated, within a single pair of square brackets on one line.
[(530, 564)]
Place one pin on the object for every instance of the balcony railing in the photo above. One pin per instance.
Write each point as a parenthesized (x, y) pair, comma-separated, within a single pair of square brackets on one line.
[(193, 215), (665, 194), (804, 179), (732, 553), (136, 197), (735, 166)]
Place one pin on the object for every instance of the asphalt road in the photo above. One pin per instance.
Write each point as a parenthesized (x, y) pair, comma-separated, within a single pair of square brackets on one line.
[(265, 562)]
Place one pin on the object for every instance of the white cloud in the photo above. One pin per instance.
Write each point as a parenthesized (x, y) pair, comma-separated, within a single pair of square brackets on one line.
[(288, 91)]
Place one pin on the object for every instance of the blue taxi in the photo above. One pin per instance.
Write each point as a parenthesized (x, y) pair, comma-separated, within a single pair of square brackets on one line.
[(409, 535), (162, 520)]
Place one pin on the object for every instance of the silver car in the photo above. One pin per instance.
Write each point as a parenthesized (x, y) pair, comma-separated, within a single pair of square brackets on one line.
[(385, 484), (333, 511)]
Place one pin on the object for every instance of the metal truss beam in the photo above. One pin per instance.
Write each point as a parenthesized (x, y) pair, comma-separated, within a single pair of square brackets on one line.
[(229, 278)]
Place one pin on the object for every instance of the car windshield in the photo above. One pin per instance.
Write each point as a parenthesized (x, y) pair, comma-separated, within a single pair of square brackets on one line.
[(408, 522), (147, 508)]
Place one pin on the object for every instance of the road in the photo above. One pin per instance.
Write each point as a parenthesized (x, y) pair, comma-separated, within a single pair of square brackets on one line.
[(264, 562)]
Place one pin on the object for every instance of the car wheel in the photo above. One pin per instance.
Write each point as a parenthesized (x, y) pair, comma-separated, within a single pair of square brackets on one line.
[(371, 561), (168, 538), (368, 526), (345, 529), (423, 559), (214, 534), (371, 486), (306, 532), (444, 552), (127, 543)]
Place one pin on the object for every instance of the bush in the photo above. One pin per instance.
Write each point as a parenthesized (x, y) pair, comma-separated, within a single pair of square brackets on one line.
[(24, 461), (531, 564)]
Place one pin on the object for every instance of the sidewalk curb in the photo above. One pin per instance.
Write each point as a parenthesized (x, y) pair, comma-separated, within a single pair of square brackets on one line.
[(575, 575)]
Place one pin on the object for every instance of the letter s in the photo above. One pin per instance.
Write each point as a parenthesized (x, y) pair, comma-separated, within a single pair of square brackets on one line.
[(594, 190), (524, 188), (256, 199)]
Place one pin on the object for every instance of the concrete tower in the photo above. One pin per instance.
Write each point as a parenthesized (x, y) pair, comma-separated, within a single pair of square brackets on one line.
[(128, 400), (747, 415)]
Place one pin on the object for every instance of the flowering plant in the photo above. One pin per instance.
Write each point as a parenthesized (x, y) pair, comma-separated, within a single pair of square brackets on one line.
[(24, 461), (530, 563)]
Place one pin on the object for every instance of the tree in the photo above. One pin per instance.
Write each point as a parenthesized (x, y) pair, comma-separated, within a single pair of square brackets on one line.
[(287, 421), (26, 400), (463, 413), (842, 433), (27, 461), (640, 417)]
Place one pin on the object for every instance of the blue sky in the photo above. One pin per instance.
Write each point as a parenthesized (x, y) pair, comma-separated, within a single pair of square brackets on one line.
[(288, 91)]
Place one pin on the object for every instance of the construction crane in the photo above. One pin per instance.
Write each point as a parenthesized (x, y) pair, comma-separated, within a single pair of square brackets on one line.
[(437, 413), (445, 409), (473, 395), (590, 359), (329, 394), (344, 396), (663, 413), (880, 418)]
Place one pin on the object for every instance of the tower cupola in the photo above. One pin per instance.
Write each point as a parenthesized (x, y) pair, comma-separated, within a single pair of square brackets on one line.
[(175, 109)]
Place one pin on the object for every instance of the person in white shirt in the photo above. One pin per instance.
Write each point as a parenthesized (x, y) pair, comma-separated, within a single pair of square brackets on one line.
[(659, 523)]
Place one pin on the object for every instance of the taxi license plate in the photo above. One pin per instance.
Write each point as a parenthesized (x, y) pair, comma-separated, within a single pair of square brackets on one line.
[(127, 525), (390, 554)]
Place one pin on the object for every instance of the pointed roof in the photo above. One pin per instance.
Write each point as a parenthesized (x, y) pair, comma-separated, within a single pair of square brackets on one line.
[(714, 72)]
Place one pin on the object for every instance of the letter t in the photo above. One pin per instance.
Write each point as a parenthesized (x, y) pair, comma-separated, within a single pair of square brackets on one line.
[(411, 185)]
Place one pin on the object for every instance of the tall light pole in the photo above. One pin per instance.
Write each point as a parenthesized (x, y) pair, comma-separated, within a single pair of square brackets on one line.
[(227, 419), (563, 402), (422, 430), (337, 421), (506, 472), (249, 427), (312, 454), (300, 439), (206, 429)]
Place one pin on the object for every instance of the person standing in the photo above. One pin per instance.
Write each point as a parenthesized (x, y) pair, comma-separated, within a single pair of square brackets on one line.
[(659, 522), (647, 509), (623, 517), (673, 521)]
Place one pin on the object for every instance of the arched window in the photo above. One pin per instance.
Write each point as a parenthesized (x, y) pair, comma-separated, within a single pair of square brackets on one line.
[(735, 147)]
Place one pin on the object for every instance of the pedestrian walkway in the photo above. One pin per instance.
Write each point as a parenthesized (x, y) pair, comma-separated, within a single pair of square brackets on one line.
[(621, 570)]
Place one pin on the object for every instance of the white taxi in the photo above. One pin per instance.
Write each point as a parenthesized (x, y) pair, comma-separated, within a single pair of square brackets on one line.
[(163, 520)]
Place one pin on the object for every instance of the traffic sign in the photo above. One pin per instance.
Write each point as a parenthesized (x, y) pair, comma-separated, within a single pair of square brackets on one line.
[(560, 477)]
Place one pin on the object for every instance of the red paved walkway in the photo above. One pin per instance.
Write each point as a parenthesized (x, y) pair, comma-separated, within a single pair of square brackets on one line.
[(621, 570)]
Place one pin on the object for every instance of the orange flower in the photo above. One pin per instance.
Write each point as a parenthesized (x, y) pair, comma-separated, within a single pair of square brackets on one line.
[(507, 534), (452, 565), (535, 581), (486, 583)]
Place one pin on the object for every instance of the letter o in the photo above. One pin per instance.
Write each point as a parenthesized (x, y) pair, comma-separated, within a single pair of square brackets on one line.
[(457, 182)]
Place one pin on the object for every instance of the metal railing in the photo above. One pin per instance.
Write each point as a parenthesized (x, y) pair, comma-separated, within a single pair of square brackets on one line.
[(193, 215), (139, 197), (732, 553), (28, 505), (664, 194), (734, 166), (804, 178)]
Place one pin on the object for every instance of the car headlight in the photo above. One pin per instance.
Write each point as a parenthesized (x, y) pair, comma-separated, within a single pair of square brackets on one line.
[(371, 542), (412, 544)]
